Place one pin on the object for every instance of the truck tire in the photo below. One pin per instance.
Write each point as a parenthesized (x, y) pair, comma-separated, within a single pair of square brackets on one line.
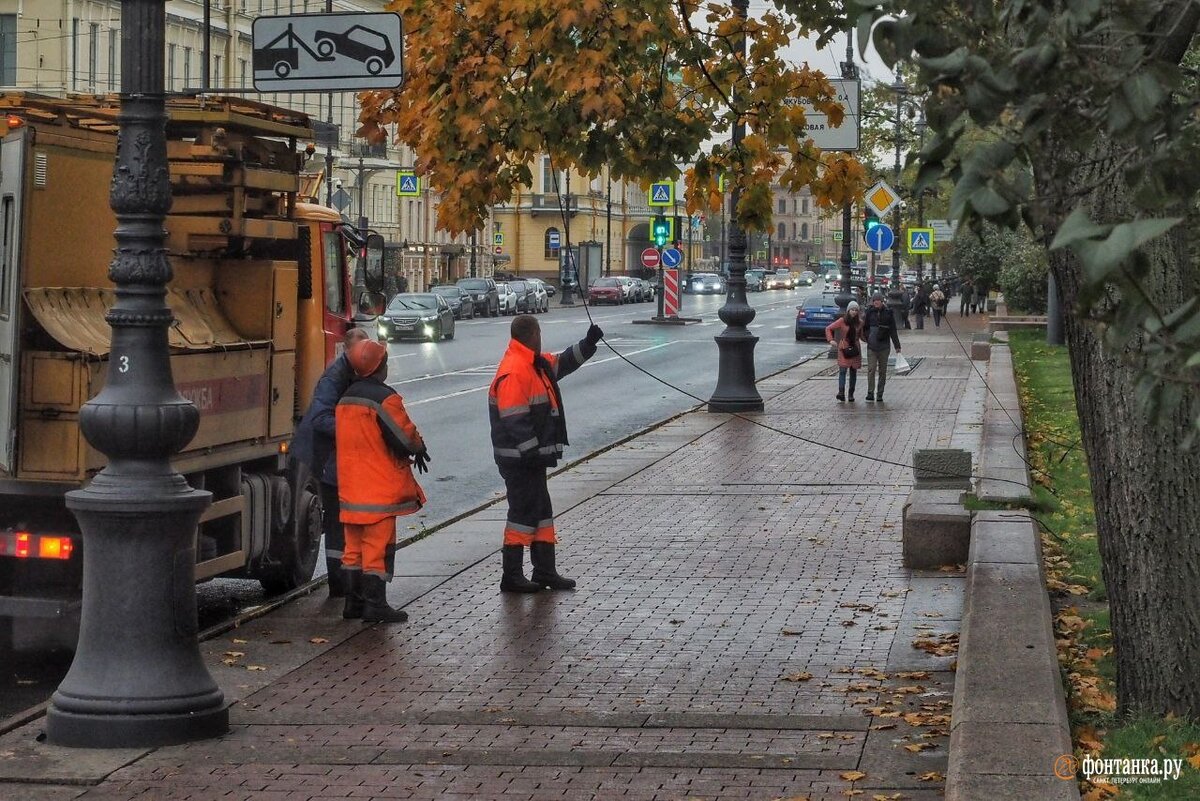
[(294, 559)]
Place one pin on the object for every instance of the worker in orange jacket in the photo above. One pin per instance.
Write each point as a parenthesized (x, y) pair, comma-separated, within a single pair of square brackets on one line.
[(377, 444), (529, 430)]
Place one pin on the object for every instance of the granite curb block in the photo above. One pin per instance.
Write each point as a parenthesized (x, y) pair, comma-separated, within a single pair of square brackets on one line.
[(1003, 468), (1009, 720)]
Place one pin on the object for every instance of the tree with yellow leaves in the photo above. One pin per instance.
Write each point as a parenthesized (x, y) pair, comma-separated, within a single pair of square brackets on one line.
[(638, 85)]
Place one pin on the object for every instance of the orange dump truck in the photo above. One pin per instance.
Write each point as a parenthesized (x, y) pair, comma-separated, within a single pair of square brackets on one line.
[(261, 296)]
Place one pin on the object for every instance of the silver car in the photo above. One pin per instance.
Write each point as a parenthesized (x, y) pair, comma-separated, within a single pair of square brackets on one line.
[(540, 300), (629, 288), (508, 298)]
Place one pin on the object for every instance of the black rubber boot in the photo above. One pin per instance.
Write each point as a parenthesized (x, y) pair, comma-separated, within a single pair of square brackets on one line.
[(542, 556), (352, 584), (514, 579), (375, 605), (840, 396), (337, 583)]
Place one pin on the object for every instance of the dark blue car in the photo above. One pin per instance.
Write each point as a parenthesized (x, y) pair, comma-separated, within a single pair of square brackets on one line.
[(814, 314)]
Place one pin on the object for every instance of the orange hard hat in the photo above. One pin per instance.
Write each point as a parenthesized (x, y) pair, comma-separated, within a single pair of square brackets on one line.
[(365, 356)]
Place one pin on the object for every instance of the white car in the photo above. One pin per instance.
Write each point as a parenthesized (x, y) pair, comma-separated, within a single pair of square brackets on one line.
[(508, 298), (629, 288)]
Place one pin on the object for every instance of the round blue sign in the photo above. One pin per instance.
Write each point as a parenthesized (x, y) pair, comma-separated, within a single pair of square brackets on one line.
[(880, 238), (671, 257)]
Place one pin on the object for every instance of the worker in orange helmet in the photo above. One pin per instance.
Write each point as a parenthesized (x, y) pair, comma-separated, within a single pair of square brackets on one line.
[(377, 445), (529, 430)]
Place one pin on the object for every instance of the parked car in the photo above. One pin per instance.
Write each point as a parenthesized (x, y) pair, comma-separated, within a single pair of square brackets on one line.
[(459, 300), (541, 295), (807, 278), (551, 289), (483, 293), (705, 284), (418, 315), (756, 280), (816, 312), (630, 289), (606, 290), (508, 298), (649, 290), (525, 295)]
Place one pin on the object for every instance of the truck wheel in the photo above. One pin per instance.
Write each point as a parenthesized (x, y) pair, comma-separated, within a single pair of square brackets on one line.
[(294, 560)]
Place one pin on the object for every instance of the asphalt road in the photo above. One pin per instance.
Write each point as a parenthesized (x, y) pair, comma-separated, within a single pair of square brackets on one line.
[(444, 386)]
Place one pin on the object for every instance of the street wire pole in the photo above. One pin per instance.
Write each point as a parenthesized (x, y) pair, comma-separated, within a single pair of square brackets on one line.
[(844, 297), (567, 299), (735, 391), (921, 126), (895, 295), (608, 229), (329, 142), (137, 679), (473, 246)]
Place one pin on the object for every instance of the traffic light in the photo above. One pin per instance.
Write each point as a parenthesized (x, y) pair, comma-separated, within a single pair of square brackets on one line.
[(869, 222), (660, 231)]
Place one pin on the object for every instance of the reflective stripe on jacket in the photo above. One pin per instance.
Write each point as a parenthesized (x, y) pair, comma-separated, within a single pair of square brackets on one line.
[(375, 440), (529, 428)]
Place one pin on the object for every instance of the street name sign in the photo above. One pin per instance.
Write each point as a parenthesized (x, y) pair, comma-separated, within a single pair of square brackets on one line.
[(825, 136), (920, 241), (408, 184), (661, 194), (650, 258), (881, 198), (671, 257), (328, 52), (943, 230), (880, 238)]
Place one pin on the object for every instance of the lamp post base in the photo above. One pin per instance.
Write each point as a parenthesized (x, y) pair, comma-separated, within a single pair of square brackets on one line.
[(74, 730), (735, 390)]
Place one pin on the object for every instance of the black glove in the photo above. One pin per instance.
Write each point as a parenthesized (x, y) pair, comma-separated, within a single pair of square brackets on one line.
[(422, 460), (594, 335)]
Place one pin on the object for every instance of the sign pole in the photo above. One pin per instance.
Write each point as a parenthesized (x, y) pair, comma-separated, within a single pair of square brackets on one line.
[(662, 286)]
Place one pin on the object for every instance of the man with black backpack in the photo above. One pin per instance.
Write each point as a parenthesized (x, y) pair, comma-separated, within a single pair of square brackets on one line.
[(879, 326)]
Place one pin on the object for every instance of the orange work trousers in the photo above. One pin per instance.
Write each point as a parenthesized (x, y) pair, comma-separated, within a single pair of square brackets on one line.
[(369, 546)]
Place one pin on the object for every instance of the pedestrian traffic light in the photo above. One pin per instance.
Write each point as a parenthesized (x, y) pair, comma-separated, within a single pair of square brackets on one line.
[(869, 222), (660, 229)]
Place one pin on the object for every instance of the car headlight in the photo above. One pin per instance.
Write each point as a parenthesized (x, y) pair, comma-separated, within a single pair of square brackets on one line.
[(428, 319)]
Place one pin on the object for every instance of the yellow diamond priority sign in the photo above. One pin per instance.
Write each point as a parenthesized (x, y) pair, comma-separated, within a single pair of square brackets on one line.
[(881, 198)]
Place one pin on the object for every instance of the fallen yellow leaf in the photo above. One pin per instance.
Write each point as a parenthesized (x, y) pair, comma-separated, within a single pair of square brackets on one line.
[(318, 640), (798, 676), (853, 775), (932, 776), (255, 667)]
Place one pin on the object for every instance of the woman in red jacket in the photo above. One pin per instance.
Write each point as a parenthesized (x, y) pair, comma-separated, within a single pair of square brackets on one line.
[(849, 347)]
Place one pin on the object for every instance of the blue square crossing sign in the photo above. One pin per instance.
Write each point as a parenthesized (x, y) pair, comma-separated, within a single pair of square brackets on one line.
[(408, 184), (920, 241), (661, 194)]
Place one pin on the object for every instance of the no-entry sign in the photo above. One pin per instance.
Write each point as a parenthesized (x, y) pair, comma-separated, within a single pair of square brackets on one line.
[(650, 258)]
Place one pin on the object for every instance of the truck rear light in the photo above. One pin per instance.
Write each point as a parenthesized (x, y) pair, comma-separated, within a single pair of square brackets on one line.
[(26, 545), (54, 547)]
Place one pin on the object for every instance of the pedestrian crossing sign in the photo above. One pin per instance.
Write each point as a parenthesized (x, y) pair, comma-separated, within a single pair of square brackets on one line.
[(407, 184), (837, 236), (497, 238), (920, 241), (661, 194)]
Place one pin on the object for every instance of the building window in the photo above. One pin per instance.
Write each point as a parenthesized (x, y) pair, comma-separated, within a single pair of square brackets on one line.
[(804, 231), (8, 49), (804, 206), (187, 67), (795, 205), (793, 232), (93, 54), (242, 72), (782, 233), (216, 76), (112, 59), (783, 205), (170, 68), (74, 54), (553, 243), (552, 183)]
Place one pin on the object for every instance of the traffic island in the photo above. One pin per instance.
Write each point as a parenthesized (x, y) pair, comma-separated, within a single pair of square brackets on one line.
[(656, 320)]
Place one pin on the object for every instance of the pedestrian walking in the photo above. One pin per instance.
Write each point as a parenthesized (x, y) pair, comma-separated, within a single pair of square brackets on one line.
[(879, 330), (848, 332), (920, 306), (905, 305), (529, 430), (314, 446), (937, 304), (377, 446), (981, 295), (966, 296)]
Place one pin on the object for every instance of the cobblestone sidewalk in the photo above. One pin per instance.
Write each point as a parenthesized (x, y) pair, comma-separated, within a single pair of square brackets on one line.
[(743, 629)]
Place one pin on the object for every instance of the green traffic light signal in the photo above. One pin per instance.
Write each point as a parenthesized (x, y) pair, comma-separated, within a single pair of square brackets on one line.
[(869, 222), (661, 231)]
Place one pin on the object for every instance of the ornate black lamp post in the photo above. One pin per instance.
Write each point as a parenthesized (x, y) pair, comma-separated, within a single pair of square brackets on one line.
[(895, 295), (138, 678), (922, 126), (844, 297), (735, 390)]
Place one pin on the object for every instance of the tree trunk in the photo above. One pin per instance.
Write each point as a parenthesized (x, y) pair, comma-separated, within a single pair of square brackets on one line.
[(1145, 488)]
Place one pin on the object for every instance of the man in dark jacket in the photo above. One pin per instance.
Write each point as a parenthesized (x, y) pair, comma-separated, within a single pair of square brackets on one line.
[(879, 326), (314, 446), (529, 430)]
